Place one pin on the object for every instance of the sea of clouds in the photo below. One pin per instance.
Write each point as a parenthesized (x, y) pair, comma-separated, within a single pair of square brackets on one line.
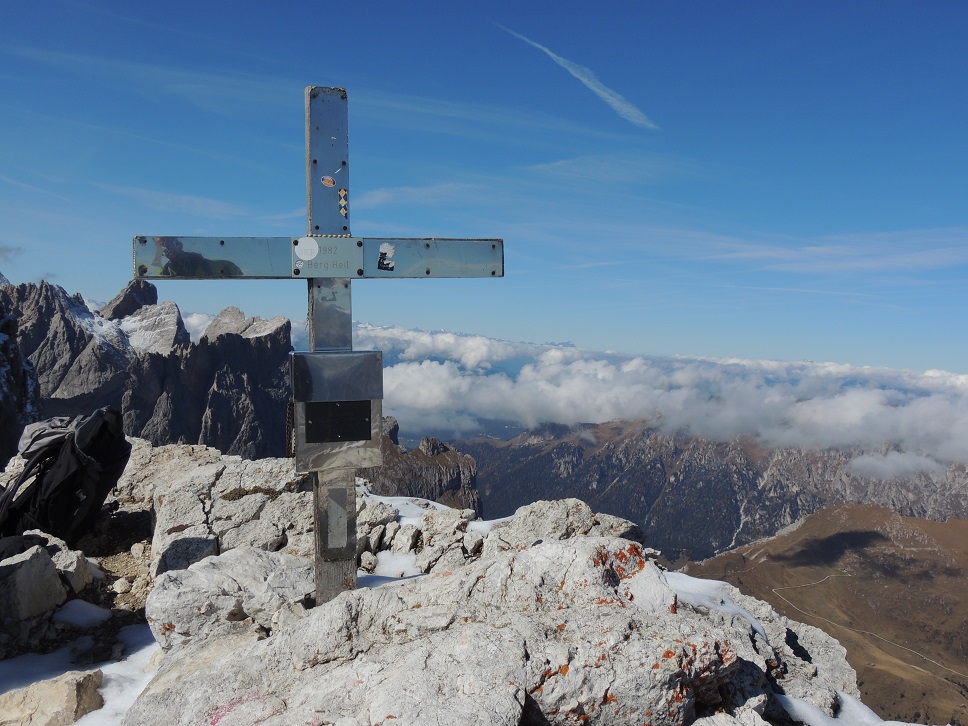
[(455, 385), (445, 382)]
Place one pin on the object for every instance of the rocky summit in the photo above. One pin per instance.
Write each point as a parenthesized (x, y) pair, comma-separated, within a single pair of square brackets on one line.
[(556, 615)]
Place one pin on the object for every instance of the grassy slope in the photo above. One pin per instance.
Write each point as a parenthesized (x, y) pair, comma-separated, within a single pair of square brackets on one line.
[(893, 590)]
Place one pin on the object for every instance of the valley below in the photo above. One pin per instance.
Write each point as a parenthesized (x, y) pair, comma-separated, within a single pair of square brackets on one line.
[(891, 589)]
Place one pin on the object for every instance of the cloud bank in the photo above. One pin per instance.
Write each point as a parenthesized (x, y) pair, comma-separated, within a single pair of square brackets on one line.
[(619, 104), (912, 421)]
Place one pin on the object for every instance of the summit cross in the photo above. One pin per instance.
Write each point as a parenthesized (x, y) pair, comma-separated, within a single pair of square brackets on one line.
[(337, 391)]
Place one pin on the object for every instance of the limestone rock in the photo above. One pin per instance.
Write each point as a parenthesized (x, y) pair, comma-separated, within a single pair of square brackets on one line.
[(30, 591), (241, 590), (578, 630), (212, 503), (157, 329), (71, 565), (55, 702), (29, 585), (553, 520)]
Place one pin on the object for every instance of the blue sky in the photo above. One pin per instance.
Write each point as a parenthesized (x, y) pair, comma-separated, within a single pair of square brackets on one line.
[(758, 180)]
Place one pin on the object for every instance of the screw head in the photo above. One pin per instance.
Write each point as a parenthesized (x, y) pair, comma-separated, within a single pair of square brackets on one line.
[(295, 271)]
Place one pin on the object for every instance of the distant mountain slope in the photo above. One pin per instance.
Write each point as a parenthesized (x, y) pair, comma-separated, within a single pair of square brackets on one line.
[(695, 497), (884, 586)]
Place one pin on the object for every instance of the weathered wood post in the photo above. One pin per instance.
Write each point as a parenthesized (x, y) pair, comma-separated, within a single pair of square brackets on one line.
[(337, 392)]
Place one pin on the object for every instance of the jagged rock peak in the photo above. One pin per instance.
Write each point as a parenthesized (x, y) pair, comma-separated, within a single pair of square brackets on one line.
[(3, 280), (135, 296), (233, 321), (433, 447), (391, 429)]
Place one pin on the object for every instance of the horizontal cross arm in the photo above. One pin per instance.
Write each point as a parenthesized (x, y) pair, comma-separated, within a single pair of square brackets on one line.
[(212, 258), (433, 257), (215, 258)]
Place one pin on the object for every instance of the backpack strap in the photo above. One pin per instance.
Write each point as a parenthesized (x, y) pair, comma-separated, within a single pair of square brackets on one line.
[(39, 461)]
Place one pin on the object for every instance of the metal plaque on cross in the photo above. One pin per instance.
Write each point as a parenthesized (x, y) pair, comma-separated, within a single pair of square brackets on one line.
[(337, 391)]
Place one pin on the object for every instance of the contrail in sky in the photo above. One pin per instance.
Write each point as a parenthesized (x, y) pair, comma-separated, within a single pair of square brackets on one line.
[(618, 103)]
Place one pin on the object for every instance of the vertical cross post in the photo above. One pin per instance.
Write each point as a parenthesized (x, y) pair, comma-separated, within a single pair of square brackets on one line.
[(330, 323)]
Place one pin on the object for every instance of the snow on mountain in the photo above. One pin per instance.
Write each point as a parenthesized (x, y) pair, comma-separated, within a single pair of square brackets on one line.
[(155, 329)]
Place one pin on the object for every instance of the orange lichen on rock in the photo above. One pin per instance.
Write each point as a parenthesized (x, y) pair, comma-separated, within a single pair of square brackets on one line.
[(629, 561)]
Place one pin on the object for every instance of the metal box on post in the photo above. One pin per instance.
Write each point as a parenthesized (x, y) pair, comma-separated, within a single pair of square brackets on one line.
[(338, 398)]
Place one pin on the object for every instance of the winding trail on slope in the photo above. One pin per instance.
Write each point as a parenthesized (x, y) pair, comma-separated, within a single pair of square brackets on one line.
[(858, 630)]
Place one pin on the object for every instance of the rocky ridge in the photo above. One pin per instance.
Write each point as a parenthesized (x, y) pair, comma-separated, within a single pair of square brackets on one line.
[(731, 493), (553, 616), (228, 391), (433, 470)]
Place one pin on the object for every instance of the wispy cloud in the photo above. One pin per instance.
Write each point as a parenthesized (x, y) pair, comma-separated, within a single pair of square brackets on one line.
[(802, 291), (619, 167), (212, 91), (415, 196), (30, 187), (297, 213), (902, 251), (8, 252), (619, 104), (467, 120), (179, 203)]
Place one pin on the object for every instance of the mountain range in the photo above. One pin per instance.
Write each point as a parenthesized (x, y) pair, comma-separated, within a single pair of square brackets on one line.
[(731, 493), (228, 391)]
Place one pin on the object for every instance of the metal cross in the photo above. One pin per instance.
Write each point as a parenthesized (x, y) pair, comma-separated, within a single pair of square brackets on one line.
[(337, 391)]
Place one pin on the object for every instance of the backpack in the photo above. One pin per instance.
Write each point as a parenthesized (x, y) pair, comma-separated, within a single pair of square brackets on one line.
[(72, 465)]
